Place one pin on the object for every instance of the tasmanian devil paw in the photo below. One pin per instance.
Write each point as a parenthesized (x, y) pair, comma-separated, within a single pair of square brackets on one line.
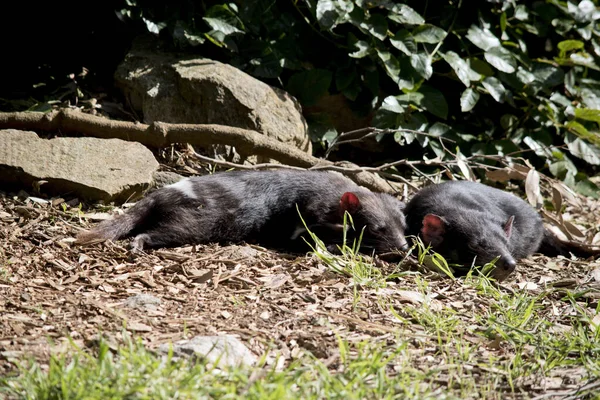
[(137, 245)]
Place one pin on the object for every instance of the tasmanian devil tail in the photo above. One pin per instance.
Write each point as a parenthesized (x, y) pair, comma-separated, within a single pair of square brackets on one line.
[(553, 246), (118, 227)]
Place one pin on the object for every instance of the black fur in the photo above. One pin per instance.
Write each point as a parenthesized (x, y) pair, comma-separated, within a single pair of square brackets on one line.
[(475, 223), (258, 207)]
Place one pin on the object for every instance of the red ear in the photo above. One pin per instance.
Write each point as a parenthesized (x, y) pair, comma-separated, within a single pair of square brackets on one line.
[(349, 202), (508, 226), (433, 229)]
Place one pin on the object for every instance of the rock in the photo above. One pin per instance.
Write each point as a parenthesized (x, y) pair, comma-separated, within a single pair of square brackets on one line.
[(164, 178), (143, 301), (228, 350), (168, 88), (90, 168)]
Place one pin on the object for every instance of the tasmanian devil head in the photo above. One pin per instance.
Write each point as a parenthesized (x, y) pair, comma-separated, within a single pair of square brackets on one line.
[(381, 217), (471, 240)]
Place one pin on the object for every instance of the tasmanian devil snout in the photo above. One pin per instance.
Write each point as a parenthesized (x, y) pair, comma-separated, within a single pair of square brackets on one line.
[(261, 207)]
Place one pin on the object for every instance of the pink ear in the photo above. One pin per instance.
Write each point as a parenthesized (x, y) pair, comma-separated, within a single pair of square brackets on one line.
[(349, 202), (508, 226), (433, 229)]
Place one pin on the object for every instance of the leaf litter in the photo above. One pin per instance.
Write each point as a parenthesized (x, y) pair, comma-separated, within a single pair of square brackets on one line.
[(278, 304)]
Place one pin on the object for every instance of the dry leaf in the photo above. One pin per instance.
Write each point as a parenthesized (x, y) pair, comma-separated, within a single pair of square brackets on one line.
[(532, 188), (557, 201)]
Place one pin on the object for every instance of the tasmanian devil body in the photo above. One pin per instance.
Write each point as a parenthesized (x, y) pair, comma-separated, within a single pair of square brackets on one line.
[(257, 207), (470, 222)]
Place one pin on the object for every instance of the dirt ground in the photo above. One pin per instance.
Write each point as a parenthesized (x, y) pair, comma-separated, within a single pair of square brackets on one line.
[(51, 290)]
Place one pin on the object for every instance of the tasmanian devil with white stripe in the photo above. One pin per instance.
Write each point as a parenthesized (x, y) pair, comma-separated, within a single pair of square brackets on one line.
[(470, 222), (258, 207)]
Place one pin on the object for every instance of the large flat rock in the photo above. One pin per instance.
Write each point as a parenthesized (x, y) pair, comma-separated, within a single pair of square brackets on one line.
[(169, 88), (93, 169)]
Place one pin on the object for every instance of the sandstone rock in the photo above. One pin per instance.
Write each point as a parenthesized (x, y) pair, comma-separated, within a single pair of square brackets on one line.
[(168, 88), (164, 178), (90, 168), (228, 350)]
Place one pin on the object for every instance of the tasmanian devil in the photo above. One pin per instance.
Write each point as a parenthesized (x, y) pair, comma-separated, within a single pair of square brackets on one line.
[(470, 222), (257, 207)]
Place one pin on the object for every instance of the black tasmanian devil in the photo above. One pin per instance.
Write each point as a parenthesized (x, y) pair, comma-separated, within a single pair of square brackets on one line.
[(467, 221), (257, 207)]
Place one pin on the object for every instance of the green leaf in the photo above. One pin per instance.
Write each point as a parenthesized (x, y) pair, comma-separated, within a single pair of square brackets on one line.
[(376, 25), (347, 81), (403, 14), (363, 49), (521, 13), (434, 101), (501, 59), (309, 86), (548, 75), (495, 88), (422, 64), (540, 148), (584, 150), (503, 22), (483, 39), (404, 42), (468, 100), (330, 12), (392, 104), (588, 114), (461, 68), (587, 188), (568, 45), (416, 122), (578, 129), (390, 63), (427, 33), (584, 59), (220, 25)]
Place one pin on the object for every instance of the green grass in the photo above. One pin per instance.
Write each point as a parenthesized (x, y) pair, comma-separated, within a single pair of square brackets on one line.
[(439, 360), (503, 345), (436, 362)]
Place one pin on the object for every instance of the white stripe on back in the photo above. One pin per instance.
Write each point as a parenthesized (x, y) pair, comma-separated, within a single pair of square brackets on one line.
[(185, 187)]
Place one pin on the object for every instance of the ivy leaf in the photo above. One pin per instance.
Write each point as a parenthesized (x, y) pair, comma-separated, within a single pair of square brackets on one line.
[(427, 33), (376, 25), (221, 25), (390, 63), (434, 101), (521, 13), (422, 64), (461, 68), (579, 130), (363, 48), (588, 114), (403, 14), (309, 86), (468, 100), (549, 76), (392, 104), (502, 59), (584, 59), (495, 88), (568, 45), (403, 41), (584, 150), (153, 27), (483, 39), (416, 122), (330, 13)]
